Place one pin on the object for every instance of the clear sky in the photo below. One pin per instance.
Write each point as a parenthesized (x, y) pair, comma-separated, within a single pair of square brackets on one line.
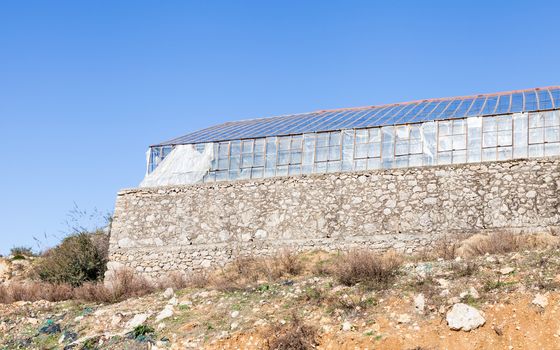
[(87, 86)]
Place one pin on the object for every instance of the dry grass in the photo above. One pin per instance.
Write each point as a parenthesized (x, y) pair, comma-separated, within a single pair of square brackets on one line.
[(125, 284), (245, 271), (503, 242), (294, 336), (368, 268), (34, 291)]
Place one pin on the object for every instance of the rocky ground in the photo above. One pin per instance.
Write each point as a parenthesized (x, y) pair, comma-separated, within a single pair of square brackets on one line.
[(489, 302)]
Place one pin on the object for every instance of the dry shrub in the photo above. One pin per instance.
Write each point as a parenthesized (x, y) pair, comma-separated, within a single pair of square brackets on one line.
[(244, 271), (367, 267), (295, 336), (34, 291), (285, 263), (447, 247), (503, 242), (122, 285), (198, 279), (125, 285)]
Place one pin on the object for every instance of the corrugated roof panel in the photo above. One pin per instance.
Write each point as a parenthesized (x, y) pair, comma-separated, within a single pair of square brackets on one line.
[(545, 101), (399, 113), (476, 106), (555, 97), (531, 102)]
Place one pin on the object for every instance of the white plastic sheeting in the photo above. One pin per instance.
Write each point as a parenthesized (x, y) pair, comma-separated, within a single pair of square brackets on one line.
[(183, 166)]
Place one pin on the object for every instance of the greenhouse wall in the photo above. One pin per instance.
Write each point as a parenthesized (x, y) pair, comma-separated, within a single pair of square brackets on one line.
[(456, 141)]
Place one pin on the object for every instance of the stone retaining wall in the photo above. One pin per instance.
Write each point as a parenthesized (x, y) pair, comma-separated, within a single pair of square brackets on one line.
[(159, 230)]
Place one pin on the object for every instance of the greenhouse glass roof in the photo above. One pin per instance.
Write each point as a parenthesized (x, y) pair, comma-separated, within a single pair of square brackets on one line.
[(393, 114)]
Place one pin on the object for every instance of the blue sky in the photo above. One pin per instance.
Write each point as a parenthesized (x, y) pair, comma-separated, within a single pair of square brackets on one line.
[(86, 86)]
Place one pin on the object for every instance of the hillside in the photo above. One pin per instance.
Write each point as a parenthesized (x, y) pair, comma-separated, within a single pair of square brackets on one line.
[(309, 304)]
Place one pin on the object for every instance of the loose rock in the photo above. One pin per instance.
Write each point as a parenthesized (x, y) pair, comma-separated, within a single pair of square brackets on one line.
[(464, 317), (540, 300)]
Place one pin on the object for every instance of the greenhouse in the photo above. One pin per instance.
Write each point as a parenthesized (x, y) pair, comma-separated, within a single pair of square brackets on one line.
[(481, 128)]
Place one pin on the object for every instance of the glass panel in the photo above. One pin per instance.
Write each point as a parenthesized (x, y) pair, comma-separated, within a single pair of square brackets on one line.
[(536, 150), (360, 165), (375, 135), (282, 170), (270, 172), (444, 158), (504, 138), (459, 157), (429, 146), (504, 153), (334, 153), (295, 170), (488, 154), (259, 160), (552, 134), (307, 169), (224, 149), (387, 148), (333, 167), (284, 143), (210, 177), (247, 160), (503, 122), (283, 157), (445, 143), (401, 161), (247, 146), (259, 146), (459, 142), (474, 155), (308, 149), (257, 173), (221, 175), (552, 149), (234, 163), (544, 99), (245, 174), (401, 148), (536, 135), (373, 163), (322, 154), (362, 136), (536, 120), (459, 126), (489, 124), (415, 160), (445, 128), (296, 157), (223, 163), (334, 138), (415, 146), (551, 118), (374, 150), (322, 140), (489, 139), (361, 150)]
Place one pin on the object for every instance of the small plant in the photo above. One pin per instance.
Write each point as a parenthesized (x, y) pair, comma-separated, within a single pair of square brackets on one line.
[(464, 269), (90, 344), (142, 331), (296, 335), (368, 268), (490, 285), (21, 252), (470, 300)]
